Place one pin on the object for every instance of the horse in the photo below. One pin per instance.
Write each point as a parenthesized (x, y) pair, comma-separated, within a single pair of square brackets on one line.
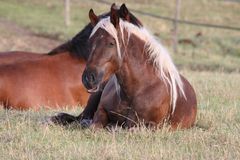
[(34, 76), (56, 75), (51, 80), (45, 81), (111, 87), (152, 91)]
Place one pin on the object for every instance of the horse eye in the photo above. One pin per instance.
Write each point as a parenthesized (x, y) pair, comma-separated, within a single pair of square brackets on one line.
[(111, 44)]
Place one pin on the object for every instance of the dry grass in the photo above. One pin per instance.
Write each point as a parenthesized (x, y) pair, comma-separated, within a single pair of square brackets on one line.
[(215, 136)]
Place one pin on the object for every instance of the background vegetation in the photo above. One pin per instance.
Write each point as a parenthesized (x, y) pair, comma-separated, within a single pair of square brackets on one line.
[(216, 49)]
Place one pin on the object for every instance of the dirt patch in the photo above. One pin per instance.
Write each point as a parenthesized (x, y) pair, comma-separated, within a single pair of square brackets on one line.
[(14, 37)]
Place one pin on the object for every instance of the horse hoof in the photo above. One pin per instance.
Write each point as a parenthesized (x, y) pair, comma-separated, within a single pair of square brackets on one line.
[(85, 123), (59, 119), (47, 121)]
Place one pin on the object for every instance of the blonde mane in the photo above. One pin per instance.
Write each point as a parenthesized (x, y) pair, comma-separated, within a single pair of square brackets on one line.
[(158, 54)]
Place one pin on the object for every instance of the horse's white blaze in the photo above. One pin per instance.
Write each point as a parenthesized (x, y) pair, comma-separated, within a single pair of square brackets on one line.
[(165, 68)]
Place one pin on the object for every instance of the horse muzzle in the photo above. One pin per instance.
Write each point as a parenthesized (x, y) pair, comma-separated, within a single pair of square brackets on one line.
[(91, 80)]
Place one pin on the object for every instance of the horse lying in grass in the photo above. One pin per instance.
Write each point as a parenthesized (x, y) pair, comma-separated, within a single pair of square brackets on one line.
[(52, 80), (152, 89), (129, 51), (43, 81)]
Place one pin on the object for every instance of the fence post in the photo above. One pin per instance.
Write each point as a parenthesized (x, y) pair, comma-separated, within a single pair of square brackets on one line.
[(67, 12), (175, 26)]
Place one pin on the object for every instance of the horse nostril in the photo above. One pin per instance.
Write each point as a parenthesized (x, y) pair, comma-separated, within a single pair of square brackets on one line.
[(91, 77)]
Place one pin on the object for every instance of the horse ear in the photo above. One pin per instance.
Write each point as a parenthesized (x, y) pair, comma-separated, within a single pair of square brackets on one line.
[(124, 13), (93, 18), (114, 17)]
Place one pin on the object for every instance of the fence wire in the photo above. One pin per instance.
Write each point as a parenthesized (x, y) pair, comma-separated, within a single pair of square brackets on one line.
[(178, 21)]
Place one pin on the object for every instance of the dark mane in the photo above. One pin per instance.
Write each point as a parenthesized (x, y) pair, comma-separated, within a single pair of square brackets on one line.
[(60, 49), (78, 45)]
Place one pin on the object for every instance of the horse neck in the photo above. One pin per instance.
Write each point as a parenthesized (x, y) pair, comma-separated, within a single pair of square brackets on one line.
[(61, 48), (136, 71), (67, 56), (62, 59), (72, 48)]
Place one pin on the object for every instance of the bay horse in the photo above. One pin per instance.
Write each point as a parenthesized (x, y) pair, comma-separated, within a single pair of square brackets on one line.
[(152, 89), (30, 80), (45, 81), (49, 80)]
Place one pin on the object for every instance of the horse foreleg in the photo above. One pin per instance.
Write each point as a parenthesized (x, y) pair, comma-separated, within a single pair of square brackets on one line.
[(100, 119), (85, 118), (91, 107)]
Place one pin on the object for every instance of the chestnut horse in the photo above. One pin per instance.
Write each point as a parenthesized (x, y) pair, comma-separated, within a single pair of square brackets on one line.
[(111, 90), (152, 90), (49, 80)]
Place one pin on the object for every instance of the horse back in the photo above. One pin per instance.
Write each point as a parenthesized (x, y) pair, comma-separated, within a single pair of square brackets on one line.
[(16, 56)]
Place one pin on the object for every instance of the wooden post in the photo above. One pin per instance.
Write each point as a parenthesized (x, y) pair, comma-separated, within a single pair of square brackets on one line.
[(175, 26), (67, 12)]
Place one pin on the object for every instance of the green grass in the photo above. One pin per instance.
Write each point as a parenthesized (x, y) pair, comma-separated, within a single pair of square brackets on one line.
[(216, 50), (215, 136), (40, 18)]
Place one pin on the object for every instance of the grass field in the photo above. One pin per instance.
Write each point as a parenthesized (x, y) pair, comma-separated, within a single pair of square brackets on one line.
[(216, 134)]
